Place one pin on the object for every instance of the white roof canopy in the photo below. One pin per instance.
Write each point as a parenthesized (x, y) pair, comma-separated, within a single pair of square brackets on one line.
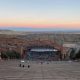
[(42, 50)]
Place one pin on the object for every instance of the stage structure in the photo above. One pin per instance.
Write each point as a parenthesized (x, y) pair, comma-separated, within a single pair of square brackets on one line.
[(43, 53)]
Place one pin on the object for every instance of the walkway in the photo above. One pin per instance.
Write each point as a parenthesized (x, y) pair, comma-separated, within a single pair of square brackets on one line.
[(9, 70)]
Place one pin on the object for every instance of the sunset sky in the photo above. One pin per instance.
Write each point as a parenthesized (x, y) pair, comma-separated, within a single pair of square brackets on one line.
[(52, 14)]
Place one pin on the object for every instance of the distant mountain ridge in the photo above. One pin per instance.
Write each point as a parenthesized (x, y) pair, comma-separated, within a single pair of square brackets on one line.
[(31, 29), (13, 32)]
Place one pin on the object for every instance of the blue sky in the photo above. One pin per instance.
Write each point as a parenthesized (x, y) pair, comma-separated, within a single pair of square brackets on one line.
[(56, 14)]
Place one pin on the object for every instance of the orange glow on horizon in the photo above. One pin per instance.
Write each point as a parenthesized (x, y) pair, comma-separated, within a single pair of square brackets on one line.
[(43, 26), (39, 23)]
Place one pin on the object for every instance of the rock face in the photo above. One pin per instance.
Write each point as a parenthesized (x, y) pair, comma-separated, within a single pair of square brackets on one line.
[(21, 41)]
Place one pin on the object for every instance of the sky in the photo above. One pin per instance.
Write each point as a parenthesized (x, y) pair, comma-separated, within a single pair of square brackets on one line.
[(44, 14)]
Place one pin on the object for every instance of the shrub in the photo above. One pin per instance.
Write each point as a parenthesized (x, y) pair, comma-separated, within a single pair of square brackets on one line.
[(11, 55), (78, 55)]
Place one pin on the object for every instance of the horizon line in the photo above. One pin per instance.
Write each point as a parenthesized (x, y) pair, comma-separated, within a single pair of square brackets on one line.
[(37, 29)]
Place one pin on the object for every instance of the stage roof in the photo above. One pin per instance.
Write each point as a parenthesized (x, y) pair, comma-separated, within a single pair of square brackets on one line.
[(43, 50)]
